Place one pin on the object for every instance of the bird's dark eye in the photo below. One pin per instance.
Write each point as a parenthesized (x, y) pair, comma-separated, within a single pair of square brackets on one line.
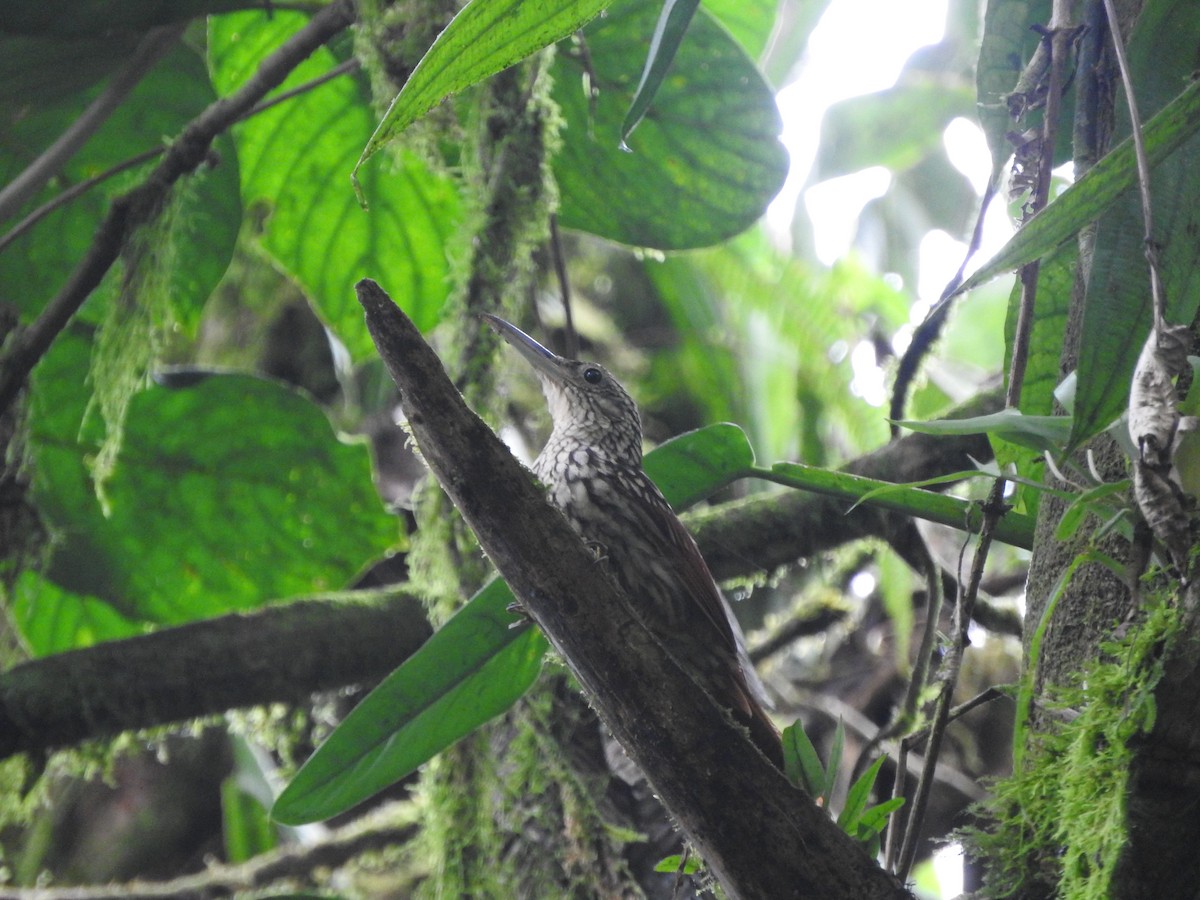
[(592, 375)]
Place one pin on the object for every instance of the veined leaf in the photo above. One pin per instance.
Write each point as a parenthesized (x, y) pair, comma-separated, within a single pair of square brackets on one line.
[(668, 34), (485, 37)]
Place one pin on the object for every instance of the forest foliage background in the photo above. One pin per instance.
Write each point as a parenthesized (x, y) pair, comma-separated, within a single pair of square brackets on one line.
[(218, 537)]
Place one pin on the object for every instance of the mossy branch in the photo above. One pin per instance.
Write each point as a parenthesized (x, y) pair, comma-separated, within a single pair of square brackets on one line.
[(760, 835)]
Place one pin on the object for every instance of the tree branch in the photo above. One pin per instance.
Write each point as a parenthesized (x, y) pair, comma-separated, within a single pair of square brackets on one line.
[(760, 835), (154, 46), (142, 204), (277, 654), (294, 866)]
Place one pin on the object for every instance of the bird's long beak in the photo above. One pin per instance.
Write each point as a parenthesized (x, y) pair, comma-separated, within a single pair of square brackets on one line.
[(546, 362)]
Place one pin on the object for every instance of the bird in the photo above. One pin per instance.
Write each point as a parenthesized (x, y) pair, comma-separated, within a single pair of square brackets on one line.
[(591, 467)]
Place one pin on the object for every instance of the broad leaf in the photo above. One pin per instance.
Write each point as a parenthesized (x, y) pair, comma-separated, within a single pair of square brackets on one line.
[(485, 37), (294, 161), (228, 493), (1084, 201), (913, 115), (801, 763), (52, 619), (668, 34), (707, 158), (475, 667), (694, 465), (1039, 432), (857, 797)]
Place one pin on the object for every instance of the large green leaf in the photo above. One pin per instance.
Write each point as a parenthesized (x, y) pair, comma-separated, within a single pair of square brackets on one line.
[(228, 493), (33, 268), (692, 466), (669, 33), (52, 619), (750, 22), (1008, 42), (295, 161), (475, 667), (706, 158), (485, 37)]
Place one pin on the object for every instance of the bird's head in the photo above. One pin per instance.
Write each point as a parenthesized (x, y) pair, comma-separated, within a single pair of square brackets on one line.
[(586, 403)]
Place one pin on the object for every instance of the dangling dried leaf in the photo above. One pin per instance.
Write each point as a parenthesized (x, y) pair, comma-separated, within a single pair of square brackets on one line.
[(1153, 411)]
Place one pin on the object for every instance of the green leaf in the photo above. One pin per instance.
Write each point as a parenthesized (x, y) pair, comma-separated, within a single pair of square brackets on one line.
[(52, 619), (1042, 433), (872, 820), (476, 666), (1087, 502), (694, 465), (1007, 42), (473, 668), (707, 157), (834, 763), (294, 158), (668, 34), (1013, 528), (246, 827), (857, 796), (228, 493), (750, 22), (485, 37), (801, 763), (676, 863)]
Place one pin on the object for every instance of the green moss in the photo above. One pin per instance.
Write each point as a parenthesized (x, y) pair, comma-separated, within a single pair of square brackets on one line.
[(1058, 823), (132, 335)]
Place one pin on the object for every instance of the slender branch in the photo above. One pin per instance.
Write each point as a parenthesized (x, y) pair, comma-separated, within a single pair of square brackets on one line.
[(1143, 165), (727, 797), (1060, 35), (564, 287), (293, 866), (142, 204), (87, 184), (153, 47)]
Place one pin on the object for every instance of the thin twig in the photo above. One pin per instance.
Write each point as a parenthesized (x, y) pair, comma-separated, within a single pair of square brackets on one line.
[(1143, 165), (290, 866), (1059, 36), (564, 286), (906, 714), (153, 47), (86, 185), (142, 204)]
